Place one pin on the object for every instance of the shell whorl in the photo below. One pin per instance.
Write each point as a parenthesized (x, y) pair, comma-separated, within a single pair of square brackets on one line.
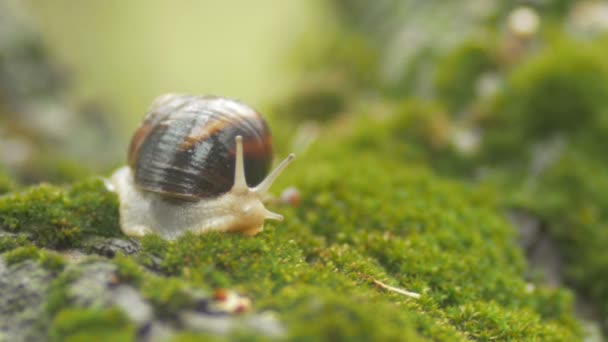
[(185, 147)]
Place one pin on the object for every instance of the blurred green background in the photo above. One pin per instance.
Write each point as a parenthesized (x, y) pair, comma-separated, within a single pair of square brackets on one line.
[(125, 53)]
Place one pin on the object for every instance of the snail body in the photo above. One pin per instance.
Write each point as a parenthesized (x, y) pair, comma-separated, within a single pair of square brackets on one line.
[(197, 164)]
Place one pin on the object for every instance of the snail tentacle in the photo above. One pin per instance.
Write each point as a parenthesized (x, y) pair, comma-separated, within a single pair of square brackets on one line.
[(265, 185), (240, 182)]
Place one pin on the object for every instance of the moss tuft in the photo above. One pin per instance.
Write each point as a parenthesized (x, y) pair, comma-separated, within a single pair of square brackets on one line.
[(168, 296), (562, 91), (82, 324), (21, 254), (9, 242), (320, 99), (458, 73), (7, 184), (571, 198), (128, 271), (49, 260), (503, 325), (59, 218)]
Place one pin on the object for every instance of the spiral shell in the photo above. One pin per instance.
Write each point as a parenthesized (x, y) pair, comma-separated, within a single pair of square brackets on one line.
[(185, 147)]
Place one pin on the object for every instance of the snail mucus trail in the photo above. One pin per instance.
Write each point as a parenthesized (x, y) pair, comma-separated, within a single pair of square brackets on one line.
[(198, 164)]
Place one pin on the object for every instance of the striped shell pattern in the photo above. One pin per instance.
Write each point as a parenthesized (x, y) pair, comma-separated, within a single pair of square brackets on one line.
[(185, 147)]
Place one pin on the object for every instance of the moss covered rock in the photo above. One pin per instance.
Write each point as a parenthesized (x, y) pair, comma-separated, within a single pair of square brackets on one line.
[(325, 271)]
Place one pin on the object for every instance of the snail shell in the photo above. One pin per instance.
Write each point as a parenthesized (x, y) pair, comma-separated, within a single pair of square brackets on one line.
[(185, 147), (197, 163)]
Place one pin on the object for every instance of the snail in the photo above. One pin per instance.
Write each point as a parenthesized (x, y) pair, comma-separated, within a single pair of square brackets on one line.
[(198, 164)]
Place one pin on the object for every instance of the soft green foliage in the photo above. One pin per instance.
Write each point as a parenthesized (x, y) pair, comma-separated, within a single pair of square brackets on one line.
[(48, 259), (564, 90), (58, 217), (415, 131), (571, 196), (168, 295), (316, 100), (347, 55), (9, 242), (21, 254), (84, 324), (560, 95), (128, 270), (469, 317), (458, 73), (51, 167), (6, 183)]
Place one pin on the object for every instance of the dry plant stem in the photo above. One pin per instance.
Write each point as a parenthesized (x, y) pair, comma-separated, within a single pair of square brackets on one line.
[(395, 289)]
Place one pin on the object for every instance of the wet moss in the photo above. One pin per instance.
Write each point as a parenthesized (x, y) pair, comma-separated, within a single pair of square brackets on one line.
[(21, 254), (570, 198), (56, 217), (82, 324), (320, 98), (562, 91), (11, 241), (346, 53), (459, 72), (545, 144), (169, 296), (414, 132), (49, 260), (469, 317), (7, 184)]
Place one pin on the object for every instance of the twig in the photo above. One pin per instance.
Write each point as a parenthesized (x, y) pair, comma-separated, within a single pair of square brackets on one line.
[(395, 289)]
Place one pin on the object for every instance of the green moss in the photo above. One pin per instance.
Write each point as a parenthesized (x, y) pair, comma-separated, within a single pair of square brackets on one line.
[(56, 217), (416, 131), (21, 254), (564, 90), (559, 95), (9, 242), (128, 270), (192, 337), (345, 53), (439, 238), (58, 297), (83, 324), (458, 73), (48, 259), (318, 99), (469, 317), (316, 313), (168, 296), (571, 198), (51, 261), (7, 184)]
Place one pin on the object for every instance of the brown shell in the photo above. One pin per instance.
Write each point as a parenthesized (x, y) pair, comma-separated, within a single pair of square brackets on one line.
[(185, 146)]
